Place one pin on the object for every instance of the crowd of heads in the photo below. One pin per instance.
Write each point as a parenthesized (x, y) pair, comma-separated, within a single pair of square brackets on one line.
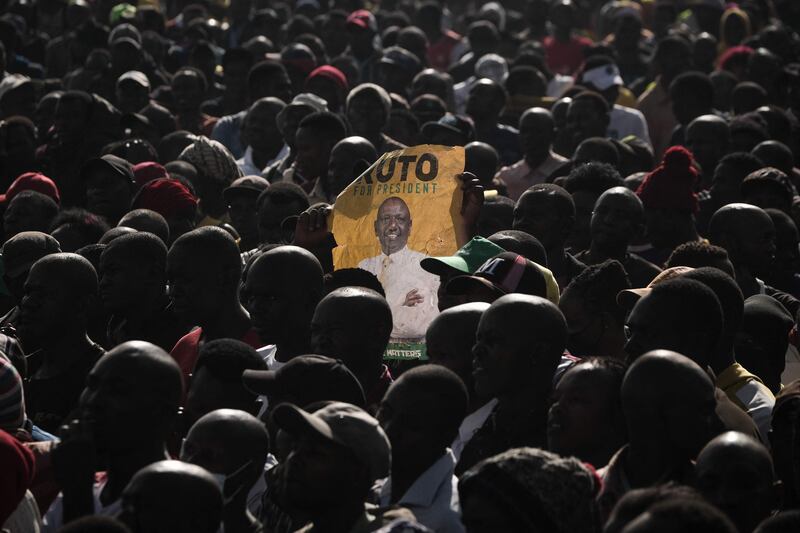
[(613, 347)]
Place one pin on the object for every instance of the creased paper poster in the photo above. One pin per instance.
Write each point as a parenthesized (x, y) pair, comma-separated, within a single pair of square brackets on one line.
[(401, 210)]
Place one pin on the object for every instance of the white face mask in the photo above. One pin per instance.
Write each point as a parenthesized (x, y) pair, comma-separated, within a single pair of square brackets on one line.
[(222, 480)]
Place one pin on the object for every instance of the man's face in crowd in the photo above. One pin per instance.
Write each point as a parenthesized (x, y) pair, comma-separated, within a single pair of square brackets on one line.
[(260, 130), (327, 90), (584, 121), (234, 77), (335, 334), (208, 393), (279, 86), (403, 415), (393, 78), (582, 412), (755, 244), (121, 280), (243, 211), (366, 114), (131, 97), (270, 217), (483, 100), (313, 153), (193, 284), (615, 219), (724, 188), (107, 194), (707, 143), (650, 327), (273, 304), (585, 328), (316, 472), (117, 404), (341, 169), (499, 355), (536, 138), (537, 215), (44, 306), (71, 117), (393, 225), (187, 93)]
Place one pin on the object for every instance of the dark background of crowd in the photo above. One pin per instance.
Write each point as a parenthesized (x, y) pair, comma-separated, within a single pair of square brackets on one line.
[(616, 347)]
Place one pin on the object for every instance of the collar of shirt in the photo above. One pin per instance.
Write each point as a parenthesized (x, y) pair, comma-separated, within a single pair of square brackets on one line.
[(423, 491), (471, 424)]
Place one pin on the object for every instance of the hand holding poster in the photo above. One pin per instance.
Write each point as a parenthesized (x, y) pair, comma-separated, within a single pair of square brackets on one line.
[(401, 210)]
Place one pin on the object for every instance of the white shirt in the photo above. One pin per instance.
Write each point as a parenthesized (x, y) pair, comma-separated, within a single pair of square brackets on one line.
[(249, 167), (470, 425), (54, 518), (269, 354), (399, 273), (433, 497), (625, 121)]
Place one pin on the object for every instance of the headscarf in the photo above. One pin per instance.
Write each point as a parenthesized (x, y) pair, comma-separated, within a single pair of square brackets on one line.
[(212, 160)]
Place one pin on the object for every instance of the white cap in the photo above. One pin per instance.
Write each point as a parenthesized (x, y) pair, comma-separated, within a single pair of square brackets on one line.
[(137, 76)]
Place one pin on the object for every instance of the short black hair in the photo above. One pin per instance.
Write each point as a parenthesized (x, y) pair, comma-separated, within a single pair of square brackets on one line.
[(780, 523), (599, 103), (264, 70), (696, 84), (352, 277), (598, 286), (697, 254), (525, 78), (594, 177), (227, 359), (327, 124), (691, 515), (742, 163), (727, 292), (141, 247), (693, 306), (282, 193), (90, 226), (195, 72), (562, 200), (233, 55), (496, 214)]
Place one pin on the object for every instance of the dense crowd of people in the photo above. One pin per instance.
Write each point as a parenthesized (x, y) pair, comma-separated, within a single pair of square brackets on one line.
[(614, 346)]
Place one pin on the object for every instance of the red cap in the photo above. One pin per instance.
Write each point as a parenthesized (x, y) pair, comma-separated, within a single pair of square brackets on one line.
[(32, 181), (148, 171), (332, 73), (363, 19), (671, 184), (167, 197)]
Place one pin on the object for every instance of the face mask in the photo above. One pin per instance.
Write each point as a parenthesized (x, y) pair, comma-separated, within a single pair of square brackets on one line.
[(222, 480)]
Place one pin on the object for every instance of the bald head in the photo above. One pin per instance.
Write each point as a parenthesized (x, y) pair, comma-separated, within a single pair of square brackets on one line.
[(269, 106), (682, 424), (357, 147), (77, 275), (450, 338), (711, 122), (534, 335), (211, 246), (735, 473), (617, 218), (482, 160), (747, 234), (282, 288), (537, 130), (173, 496), (353, 324), (235, 436), (536, 118)]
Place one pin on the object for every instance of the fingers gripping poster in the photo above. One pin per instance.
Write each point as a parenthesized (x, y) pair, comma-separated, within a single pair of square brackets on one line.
[(401, 210)]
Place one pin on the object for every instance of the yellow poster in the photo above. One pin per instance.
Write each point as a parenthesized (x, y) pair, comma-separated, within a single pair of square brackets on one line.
[(401, 210)]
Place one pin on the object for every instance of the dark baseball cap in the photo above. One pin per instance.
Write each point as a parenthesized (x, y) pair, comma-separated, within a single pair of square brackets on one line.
[(505, 273), (306, 379), (458, 124), (118, 166), (22, 250)]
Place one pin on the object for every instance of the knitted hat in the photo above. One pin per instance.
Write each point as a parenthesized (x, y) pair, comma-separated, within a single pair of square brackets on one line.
[(545, 491), (212, 160), (167, 197), (17, 466), (12, 404), (671, 184)]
